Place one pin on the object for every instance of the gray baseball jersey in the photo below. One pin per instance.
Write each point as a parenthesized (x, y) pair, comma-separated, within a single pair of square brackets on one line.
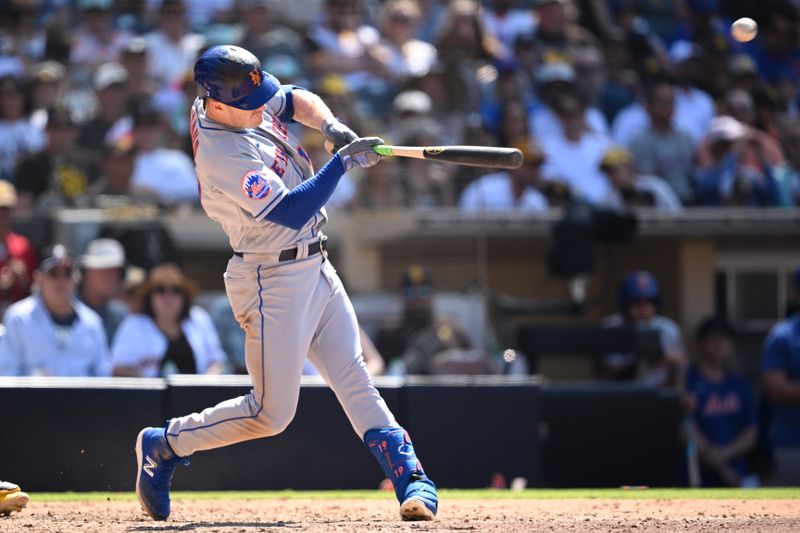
[(244, 174), (289, 310)]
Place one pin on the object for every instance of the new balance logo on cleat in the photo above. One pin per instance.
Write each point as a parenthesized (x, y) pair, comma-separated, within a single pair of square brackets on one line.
[(148, 468)]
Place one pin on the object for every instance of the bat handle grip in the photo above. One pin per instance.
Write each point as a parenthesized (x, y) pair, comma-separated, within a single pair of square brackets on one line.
[(382, 149)]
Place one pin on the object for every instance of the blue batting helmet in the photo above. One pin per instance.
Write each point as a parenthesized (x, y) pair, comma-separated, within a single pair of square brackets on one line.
[(636, 286), (233, 76)]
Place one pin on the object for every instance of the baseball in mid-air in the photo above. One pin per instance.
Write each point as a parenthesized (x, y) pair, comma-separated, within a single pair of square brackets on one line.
[(744, 30)]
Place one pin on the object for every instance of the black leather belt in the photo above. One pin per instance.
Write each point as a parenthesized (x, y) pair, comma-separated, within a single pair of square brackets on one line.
[(290, 254)]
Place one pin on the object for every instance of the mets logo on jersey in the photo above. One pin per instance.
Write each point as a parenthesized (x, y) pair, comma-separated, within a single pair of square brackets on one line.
[(255, 185)]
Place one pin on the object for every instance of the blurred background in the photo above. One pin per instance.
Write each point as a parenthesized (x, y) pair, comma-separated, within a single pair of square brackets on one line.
[(637, 277)]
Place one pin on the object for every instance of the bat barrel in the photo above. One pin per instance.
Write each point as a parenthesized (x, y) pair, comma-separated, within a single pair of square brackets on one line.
[(476, 156)]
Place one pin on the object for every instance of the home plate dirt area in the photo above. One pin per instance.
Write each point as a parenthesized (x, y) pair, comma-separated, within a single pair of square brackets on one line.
[(372, 515)]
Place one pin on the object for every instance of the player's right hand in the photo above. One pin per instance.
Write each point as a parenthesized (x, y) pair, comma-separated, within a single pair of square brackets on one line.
[(337, 134), (360, 153)]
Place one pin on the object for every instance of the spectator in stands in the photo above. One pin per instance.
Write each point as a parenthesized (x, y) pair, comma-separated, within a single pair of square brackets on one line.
[(111, 86), (46, 88), (787, 175), (51, 333), (693, 110), (24, 39), (96, 40), (575, 157), (512, 190), (505, 21), (114, 186), (171, 47), (17, 258), (729, 181), (19, 136), (781, 377), (102, 266), (264, 37), (554, 80), (663, 17), (54, 176), (141, 85), (631, 189), (166, 173), (170, 334), (415, 342), (739, 104), (464, 48), (639, 308), (776, 51), (557, 35), (527, 58), (689, 70), (344, 43), (591, 83), (662, 149), (408, 57), (412, 111), (743, 73), (723, 408), (513, 121)]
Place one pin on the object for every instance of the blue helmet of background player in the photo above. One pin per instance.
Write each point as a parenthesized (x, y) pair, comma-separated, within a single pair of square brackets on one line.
[(233, 76), (636, 287)]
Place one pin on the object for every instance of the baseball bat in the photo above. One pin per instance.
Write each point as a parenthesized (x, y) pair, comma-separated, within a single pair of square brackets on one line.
[(472, 156)]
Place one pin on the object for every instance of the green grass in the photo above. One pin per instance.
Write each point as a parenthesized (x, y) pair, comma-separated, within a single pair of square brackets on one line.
[(451, 494)]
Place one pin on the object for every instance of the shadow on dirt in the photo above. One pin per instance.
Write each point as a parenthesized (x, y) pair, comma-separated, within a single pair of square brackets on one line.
[(190, 526)]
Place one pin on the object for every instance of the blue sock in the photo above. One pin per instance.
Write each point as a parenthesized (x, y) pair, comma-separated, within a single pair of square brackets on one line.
[(393, 450)]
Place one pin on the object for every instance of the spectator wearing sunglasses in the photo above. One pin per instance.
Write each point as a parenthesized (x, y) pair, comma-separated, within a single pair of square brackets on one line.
[(169, 335), (52, 333)]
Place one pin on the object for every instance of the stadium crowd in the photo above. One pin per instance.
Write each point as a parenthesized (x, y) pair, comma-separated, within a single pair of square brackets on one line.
[(619, 103)]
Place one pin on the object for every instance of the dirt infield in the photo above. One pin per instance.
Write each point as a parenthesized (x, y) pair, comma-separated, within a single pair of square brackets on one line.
[(347, 515)]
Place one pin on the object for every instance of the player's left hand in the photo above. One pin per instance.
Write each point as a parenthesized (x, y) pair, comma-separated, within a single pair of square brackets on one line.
[(337, 133), (360, 153)]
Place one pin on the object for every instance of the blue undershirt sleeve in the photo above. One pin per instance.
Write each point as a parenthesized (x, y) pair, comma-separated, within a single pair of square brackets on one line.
[(287, 115), (303, 202)]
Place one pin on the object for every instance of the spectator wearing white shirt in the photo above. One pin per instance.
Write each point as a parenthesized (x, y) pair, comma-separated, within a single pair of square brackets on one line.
[(553, 80), (51, 333), (574, 158), (166, 173), (170, 335), (512, 190), (171, 49), (408, 57)]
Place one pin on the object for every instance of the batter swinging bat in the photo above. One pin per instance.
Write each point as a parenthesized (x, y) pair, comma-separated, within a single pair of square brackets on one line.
[(473, 156)]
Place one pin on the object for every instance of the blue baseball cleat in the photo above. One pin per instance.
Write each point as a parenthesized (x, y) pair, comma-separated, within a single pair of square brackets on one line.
[(421, 501), (156, 463), (416, 493)]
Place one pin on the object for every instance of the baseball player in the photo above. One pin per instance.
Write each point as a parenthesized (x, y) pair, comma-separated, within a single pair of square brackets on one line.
[(258, 183)]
